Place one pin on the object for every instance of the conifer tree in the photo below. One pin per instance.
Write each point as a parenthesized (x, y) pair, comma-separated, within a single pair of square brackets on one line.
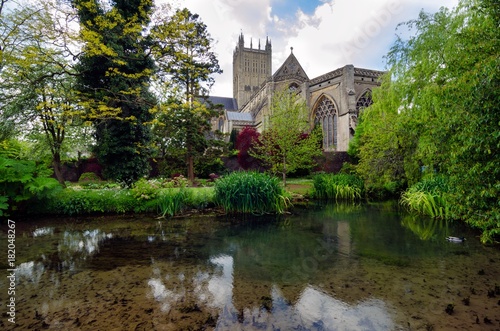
[(114, 76)]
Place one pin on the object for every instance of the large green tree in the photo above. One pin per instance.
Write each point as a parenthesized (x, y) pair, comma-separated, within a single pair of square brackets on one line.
[(182, 48), (114, 78), (36, 74), (439, 111), (287, 142)]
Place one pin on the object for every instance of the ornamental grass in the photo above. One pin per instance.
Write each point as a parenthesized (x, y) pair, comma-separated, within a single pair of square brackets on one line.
[(337, 187), (250, 192), (428, 197)]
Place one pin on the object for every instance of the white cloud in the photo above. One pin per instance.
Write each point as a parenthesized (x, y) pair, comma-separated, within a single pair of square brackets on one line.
[(339, 32)]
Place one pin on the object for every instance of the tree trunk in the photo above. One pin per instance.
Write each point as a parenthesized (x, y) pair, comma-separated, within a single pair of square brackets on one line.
[(190, 162), (56, 164), (284, 172)]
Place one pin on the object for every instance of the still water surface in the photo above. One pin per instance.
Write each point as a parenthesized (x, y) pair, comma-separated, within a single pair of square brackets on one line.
[(335, 267)]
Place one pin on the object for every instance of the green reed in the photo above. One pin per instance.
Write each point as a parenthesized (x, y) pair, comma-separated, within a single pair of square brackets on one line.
[(337, 187), (250, 192), (428, 197), (173, 201)]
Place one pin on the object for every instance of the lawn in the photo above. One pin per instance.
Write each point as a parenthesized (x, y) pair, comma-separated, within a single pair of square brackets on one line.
[(302, 186)]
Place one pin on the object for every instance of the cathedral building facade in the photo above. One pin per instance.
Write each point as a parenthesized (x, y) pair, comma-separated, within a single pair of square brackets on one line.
[(334, 99)]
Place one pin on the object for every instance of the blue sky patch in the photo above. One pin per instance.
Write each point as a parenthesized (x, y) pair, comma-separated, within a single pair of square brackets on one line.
[(288, 8)]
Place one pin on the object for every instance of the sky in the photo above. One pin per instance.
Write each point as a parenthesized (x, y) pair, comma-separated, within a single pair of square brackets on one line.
[(325, 34)]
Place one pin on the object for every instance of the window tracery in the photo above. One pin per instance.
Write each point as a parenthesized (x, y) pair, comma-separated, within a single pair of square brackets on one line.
[(364, 101), (326, 116)]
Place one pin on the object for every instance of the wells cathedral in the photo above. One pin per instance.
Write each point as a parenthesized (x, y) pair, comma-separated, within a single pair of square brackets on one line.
[(334, 99)]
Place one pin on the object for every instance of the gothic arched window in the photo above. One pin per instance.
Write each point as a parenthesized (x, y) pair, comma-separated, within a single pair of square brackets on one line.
[(326, 116), (221, 125), (364, 101), (293, 87)]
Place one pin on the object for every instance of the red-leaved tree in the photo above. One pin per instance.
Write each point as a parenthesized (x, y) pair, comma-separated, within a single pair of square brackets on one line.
[(246, 139)]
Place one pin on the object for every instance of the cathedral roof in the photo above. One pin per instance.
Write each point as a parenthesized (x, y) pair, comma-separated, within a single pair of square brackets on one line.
[(228, 103), (237, 116), (290, 69)]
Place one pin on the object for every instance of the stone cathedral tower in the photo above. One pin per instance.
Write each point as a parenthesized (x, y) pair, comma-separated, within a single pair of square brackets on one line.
[(251, 68)]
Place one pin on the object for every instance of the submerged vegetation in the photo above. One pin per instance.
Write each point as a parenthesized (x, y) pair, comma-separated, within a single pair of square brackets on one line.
[(250, 192)]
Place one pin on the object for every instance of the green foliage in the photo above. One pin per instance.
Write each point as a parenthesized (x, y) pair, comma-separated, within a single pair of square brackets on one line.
[(179, 181), (250, 192), (114, 72), (71, 202), (77, 201), (440, 111), (429, 197), (149, 189), (20, 180), (89, 176), (182, 48), (286, 144), (337, 187), (145, 189), (172, 202), (37, 77), (208, 164)]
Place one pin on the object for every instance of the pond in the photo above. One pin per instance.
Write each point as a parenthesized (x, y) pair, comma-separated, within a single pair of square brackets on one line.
[(333, 267)]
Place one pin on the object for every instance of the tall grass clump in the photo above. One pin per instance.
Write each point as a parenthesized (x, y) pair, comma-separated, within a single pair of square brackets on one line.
[(172, 202), (250, 192), (428, 197), (337, 187)]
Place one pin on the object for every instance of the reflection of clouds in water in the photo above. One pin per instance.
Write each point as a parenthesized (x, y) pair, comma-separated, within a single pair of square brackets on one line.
[(31, 271), (86, 242), (214, 289), (317, 308), (313, 309), (221, 286), (164, 296), (39, 232)]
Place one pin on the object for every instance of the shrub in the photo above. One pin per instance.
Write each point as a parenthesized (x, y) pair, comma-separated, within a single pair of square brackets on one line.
[(337, 187), (92, 165), (72, 202), (180, 181), (144, 189), (21, 180), (250, 192), (208, 164), (89, 177)]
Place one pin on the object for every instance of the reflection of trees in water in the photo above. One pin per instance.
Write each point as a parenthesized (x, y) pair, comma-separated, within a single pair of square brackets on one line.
[(266, 250), (426, 228)]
